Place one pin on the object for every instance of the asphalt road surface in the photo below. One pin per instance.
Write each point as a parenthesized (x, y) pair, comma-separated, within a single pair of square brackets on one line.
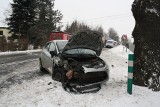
[(14, 69), (18, 57)]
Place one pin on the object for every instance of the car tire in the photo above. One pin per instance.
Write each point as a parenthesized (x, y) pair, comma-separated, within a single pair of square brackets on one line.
[(57, 75)]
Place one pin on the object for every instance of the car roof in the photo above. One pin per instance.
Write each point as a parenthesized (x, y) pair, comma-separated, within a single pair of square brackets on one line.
[(111, 40), (58, 40)]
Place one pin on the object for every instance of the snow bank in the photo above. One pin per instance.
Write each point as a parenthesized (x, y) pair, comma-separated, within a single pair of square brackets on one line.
[(19, 52), (121, 51)]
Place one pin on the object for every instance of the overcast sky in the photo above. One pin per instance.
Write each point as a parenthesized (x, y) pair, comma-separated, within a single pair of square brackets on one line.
[(106, 13)]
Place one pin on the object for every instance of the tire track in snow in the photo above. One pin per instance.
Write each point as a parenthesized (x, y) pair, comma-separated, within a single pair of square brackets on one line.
[(17, 72)]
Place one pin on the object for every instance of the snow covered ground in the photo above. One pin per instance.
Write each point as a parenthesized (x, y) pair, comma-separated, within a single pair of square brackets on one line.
[(19, 52), (44, 92)]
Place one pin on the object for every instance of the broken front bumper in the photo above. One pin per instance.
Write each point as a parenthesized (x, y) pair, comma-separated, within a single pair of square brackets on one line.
[(90, 77), (89, 88), (85, 82)]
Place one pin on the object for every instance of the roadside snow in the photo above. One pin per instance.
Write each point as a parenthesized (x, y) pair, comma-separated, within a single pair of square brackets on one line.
[(121, 51), (38, 92), (19, 52)]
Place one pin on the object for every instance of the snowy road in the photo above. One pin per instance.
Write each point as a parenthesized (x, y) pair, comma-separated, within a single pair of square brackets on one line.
[(14, 69), (18, 57)]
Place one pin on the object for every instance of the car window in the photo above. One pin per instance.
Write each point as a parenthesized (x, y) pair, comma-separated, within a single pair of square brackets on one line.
[(61, 45), (81, 51), (46, 47), (52, 47), (109, 41)]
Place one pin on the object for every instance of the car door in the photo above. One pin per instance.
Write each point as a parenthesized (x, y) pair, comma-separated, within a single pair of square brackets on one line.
[(44, 55), (50, 62)]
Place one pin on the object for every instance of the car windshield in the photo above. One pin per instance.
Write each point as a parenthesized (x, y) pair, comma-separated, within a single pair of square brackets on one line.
[(81, 52), (61, 45), (109, 41)]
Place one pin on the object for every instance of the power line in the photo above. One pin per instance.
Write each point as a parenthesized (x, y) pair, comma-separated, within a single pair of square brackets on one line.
[(114, 18), (106, 17)]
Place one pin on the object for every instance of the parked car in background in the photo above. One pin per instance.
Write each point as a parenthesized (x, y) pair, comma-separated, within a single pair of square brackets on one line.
[(81, 53), (111, 44)]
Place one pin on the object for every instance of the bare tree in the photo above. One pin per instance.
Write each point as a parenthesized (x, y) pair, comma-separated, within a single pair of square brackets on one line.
[(6, 13), (99, 29), (76, 26), (112, 33)]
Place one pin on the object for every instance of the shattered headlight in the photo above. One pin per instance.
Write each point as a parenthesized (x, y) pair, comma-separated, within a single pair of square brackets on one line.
[(57, 60), (95, 65), (99, 65)]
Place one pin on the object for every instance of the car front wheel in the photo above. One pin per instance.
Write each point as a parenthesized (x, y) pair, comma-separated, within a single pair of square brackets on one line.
[(57, 75)]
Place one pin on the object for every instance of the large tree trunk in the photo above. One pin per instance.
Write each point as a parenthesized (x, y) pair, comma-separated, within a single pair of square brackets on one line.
[(147, 43)]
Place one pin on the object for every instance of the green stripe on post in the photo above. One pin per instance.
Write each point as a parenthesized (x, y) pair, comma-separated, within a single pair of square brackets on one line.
[(130, 69), (129, 86), (131, 57)]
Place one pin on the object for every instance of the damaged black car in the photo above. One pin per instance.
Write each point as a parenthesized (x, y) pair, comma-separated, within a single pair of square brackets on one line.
[(76, 63)]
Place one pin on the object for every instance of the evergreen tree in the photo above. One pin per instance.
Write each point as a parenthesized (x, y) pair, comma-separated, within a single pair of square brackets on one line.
[(76, 26), (47, 20), (21, 18)]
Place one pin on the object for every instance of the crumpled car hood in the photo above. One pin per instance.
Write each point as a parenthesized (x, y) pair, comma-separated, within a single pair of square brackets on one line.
[(86, 39)]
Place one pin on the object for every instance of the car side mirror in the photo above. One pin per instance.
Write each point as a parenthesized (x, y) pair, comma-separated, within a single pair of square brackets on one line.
[(53, 53)]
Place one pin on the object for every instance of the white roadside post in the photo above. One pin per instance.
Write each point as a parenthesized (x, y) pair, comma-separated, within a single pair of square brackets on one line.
[(130, 73)]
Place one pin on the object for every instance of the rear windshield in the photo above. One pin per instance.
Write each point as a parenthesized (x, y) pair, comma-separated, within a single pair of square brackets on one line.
[(109, 41)]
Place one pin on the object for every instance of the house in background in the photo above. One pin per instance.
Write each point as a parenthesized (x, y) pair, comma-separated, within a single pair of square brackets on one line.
[(5, 44), (5, 32)]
